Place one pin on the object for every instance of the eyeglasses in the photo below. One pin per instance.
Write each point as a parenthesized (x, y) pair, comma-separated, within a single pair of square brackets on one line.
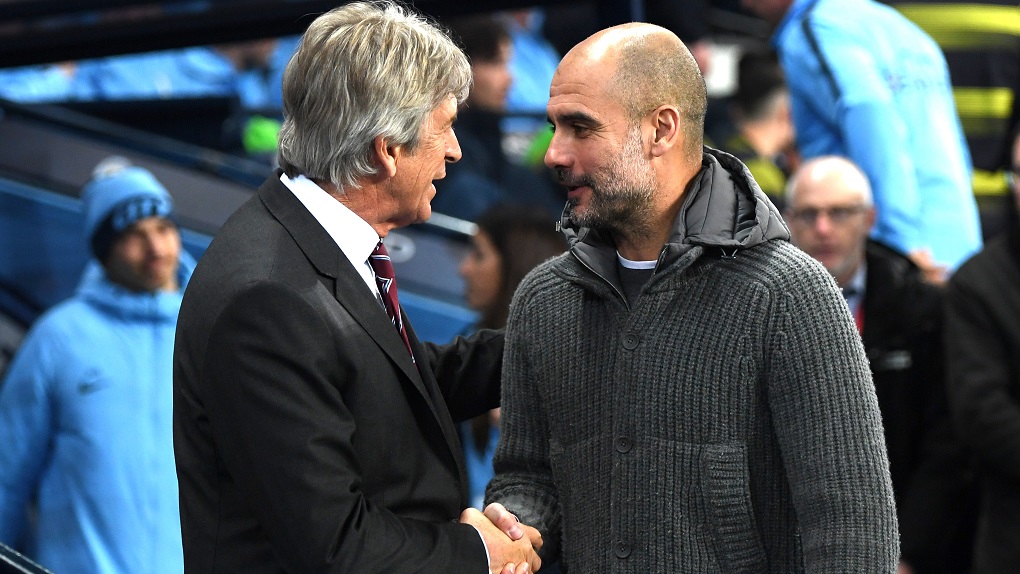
[(837, 215)]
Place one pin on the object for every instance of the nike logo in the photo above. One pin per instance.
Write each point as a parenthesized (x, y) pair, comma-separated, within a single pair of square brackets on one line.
[(91, 385)]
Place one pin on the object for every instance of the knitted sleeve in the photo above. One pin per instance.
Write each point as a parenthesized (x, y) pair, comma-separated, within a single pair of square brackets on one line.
[(828, 425), (523, 477)]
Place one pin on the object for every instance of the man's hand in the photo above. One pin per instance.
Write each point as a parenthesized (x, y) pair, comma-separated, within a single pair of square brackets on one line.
[(508, 523), (506, 555), (932, 272)]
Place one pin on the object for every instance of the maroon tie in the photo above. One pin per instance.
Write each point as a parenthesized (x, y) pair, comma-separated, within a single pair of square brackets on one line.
[(385, 278)]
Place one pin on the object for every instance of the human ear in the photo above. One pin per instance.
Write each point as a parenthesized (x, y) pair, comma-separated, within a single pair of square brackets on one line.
[(666, 120), (386, 155)]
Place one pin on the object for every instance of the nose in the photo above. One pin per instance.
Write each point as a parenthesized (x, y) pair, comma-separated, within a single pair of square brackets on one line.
[(506, 78), (464, 267), (823, 224), (156, 244), (555, 154), (453, 153)]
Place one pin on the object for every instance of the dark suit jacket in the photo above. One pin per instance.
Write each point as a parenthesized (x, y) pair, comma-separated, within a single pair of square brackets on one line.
[(983, 354), (306, 439), (932, 484)]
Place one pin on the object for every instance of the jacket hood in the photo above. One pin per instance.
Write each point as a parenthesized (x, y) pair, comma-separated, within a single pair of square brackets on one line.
[(723, 208), (95, 288)]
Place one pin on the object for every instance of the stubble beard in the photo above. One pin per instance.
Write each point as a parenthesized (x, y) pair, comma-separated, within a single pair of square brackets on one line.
[(622, 194)]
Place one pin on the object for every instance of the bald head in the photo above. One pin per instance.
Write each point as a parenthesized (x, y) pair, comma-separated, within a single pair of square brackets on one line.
[(828, 208), (648, 66), (830, 172)]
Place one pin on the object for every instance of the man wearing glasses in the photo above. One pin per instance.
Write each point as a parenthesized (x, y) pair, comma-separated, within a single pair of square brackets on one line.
[(830, 213)]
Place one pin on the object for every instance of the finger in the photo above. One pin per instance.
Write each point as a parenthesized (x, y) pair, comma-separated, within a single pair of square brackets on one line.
[(523, 568), (508, 569), (534, 536), (495, 511), (469, 514), (504, 520)]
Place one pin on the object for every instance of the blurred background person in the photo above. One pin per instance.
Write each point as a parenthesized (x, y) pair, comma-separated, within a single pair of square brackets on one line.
[(85, 409), (983, 356), (226, 70), (38, 84), (830, 213), (532, 64), (764, 135), (511, 240), (981, 43), (485, 176), (867, 84)]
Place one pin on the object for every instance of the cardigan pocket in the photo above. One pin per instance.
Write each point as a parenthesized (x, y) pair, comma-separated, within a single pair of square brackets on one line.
[(725, 485)]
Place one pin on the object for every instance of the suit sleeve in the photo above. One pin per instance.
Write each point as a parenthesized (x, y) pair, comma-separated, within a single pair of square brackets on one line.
[(468, 372), (285, 434), (523, 480), (942, 486), (828, 425)]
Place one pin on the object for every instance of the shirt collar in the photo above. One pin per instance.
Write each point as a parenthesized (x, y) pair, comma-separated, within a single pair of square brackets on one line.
[(352, 234), (857, 282), (853, 291)]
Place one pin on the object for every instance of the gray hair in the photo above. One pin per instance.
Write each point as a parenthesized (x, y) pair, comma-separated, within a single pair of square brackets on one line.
[(362, 71), (819, 167)]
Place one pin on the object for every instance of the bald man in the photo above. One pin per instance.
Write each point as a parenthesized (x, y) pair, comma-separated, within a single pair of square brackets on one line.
[(830, 212), (684, 390)]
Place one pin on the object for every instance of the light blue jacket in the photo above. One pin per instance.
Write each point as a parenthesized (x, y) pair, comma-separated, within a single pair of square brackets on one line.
[(196, 72), (868, 84), (86, 433)]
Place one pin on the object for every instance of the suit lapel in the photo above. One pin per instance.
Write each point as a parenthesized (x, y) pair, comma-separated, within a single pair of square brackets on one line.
[(352, 293), (445, 420)]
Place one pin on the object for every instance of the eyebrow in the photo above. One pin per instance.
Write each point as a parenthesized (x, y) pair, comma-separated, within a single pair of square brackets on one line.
[(579, 117)]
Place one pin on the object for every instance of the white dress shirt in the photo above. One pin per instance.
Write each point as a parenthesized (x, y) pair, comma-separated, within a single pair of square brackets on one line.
[(352, 234)]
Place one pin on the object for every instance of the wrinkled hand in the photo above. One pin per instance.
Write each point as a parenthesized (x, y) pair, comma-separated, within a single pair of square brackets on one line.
[(506, 555)]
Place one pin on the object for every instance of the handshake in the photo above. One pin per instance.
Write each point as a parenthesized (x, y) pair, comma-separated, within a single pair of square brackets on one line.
[(512, 546)]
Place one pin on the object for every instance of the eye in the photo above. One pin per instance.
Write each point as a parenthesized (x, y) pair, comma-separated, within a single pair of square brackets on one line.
[(840, 214), (580, 130)]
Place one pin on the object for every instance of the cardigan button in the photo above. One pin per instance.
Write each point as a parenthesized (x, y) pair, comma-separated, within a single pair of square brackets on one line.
[(622, 550), (623, 444), (631, 341)]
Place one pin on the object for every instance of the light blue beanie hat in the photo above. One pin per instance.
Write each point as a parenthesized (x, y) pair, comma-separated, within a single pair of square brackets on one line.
[(118, 195)]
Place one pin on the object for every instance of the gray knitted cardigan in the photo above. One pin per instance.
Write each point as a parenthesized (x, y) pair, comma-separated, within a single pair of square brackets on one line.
[(726, 422)]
